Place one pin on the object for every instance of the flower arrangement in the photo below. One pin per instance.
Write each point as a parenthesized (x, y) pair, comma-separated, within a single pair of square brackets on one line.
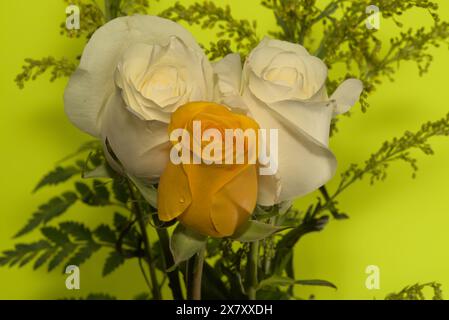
[(207, 148)]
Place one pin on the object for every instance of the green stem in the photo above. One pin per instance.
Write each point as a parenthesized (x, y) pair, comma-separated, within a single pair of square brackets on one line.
[(111, 9), (146, 243), (253, 259), (198, 275), (173, 277)]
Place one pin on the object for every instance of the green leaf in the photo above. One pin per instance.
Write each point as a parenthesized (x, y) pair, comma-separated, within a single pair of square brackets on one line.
[(255, 230), (87, 146), (98, 196), (23, 253), (275, 281), (27, 259), (284, 247), (55, 235), (120, 221), (316, 282), (57, 176), (76, 229), (418, 292), (54, 208), (212, 286), (185, 243), (148, 192), (101, 192), (83, 254), (120, 189), (100, 296), (142, 296), (272, 294), (105, 233), (113, 261), (43, 258), (61, 255)]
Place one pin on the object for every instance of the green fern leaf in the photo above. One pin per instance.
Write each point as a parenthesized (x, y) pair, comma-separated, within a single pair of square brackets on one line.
[(114, 260)]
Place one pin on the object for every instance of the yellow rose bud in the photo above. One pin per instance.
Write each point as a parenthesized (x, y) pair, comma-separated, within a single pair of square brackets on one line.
[(210, 191)]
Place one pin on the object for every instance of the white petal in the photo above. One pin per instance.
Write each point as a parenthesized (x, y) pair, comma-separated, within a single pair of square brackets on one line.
[(305, 163), (285, 46), (312, 117), (269, 190), (229, 74), (142, 147), (92, 84), (346, 95), (272, 55), (228, 78)]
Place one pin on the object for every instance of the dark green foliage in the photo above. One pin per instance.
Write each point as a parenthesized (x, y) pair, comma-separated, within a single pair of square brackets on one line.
[(35, 67), (77, 230), (209, 15), (98, 195), (105, 296), (142, 296), (92, 17), (21, 251), (346, 40), (92, 146), (130, 7), (212, 286), (105, 233), (416, 292), (55, 235), (113, 261), (100, 296), (296, 18), (46, 212), (57, 176), (396, 149), (64, 251), (83, 253), (120, 189), (71, 243)]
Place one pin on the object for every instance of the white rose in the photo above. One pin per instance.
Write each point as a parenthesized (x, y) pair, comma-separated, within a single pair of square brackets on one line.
[(283, 87), (134, 72)]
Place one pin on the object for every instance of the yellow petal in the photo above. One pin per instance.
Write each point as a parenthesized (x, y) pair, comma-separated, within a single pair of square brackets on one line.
[(233, 204), (173, 192)]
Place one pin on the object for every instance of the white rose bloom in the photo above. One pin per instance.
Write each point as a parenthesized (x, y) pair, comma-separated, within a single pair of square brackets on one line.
[(134, 72), (283, 87)]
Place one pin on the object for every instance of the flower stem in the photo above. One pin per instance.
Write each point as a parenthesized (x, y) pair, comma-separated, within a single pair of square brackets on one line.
[(173, 277), (111, 9), (197, 275), (146, 243), (253, 259)]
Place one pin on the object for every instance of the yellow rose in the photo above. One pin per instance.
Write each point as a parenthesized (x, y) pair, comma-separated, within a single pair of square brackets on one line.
[(211, 198)]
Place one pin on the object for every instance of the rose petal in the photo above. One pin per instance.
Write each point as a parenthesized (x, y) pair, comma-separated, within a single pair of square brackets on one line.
[(305, 163), (346, 95), (91, 85), (234, 203), (141, 146), (312, 117), (173, 193)]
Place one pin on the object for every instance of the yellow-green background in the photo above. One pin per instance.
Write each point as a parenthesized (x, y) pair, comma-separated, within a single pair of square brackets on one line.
[(401, 225)]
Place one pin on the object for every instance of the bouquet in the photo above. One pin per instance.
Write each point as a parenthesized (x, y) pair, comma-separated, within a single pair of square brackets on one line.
[(202, 150)]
